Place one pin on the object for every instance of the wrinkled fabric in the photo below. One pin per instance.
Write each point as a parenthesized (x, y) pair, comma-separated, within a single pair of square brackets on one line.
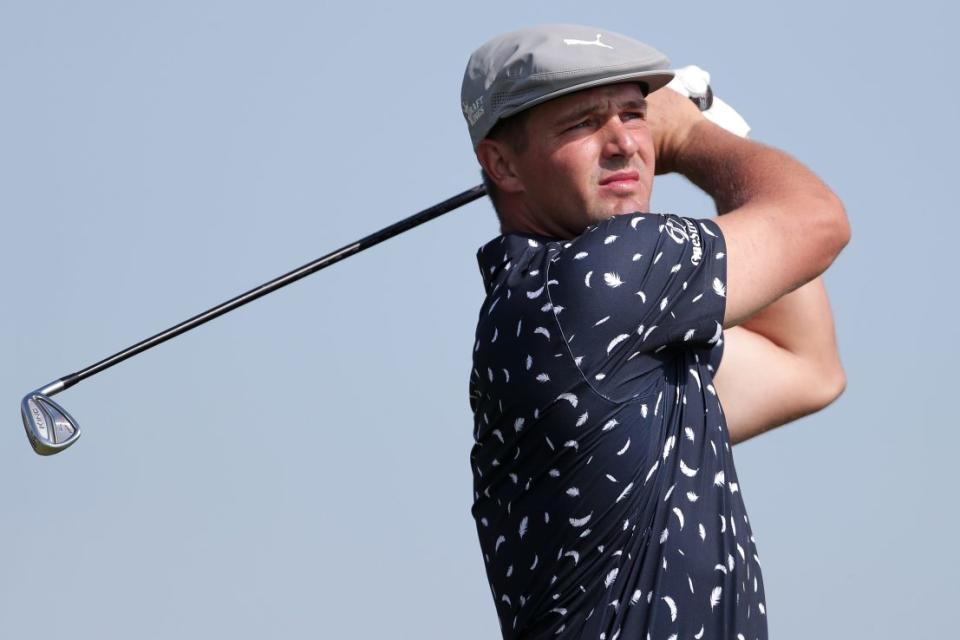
[(606, 501)]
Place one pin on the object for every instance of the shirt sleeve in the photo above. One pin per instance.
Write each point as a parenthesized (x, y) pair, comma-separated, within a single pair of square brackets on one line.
[(631, 286)]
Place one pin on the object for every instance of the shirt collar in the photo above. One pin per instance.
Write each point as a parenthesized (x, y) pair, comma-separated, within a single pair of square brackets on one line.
[(502, 252)]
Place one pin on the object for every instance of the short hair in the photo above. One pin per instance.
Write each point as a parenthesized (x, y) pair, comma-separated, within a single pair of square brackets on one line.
[(512, 131)]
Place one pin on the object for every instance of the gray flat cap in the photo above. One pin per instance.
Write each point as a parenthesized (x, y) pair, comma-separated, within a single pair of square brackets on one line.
[(521, 69)]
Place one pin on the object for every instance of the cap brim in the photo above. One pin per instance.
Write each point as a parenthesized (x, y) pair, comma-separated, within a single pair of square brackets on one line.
[(653, 79)]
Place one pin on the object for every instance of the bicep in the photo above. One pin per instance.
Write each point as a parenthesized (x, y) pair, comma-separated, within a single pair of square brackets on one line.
[(762, 385), (776, 247)]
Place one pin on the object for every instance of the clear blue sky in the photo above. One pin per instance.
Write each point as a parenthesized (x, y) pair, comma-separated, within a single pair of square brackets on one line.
[(299, 468)]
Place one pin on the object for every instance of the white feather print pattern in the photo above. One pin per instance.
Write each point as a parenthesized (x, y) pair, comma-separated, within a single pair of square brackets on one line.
[(573, 492), (636, 257), (666, 496), (569, 397), (536, 293), (652, 469), (687, 471), (610, 424), (673, 608), (543, 377), (715, 596), (543, 331), (529, 362), (624, 493), (703, 531), (612, 279), (677, 512), (586, 278), (649, 331), (601, 321), (518, 424), (523, 527), (579, 522), (692, 497), (719, 288), (625, 447), (718, 479), (699, 634), (610, 577), (635, 598), (663, 304), (634, 221), (716, 335), (573, 444), (668, 446), (500, 540), (536, 559), (613, 343), (689, 433), (643, 297), (688, 334), (696, 376), (609, 239), (581, 255), (573, 554), (583, 419)]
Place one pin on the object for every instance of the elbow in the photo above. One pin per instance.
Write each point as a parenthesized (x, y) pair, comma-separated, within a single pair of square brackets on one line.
[(829, 384), (835, 226)]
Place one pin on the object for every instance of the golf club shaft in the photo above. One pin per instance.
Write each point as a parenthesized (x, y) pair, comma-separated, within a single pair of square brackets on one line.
[(348, 250)]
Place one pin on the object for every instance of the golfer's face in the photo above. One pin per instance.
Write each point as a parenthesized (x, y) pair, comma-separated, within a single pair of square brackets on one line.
[(591, 156)]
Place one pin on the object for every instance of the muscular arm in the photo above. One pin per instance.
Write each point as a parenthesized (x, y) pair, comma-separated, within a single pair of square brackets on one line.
[(783, 228), (780, 365)]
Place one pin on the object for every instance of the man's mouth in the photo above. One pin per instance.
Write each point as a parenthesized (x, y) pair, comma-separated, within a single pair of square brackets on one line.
[(621, 180)]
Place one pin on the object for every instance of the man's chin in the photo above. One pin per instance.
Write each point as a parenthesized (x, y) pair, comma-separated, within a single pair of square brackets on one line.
[(628, 206)]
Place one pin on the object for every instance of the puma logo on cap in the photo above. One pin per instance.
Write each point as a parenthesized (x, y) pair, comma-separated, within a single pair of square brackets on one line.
[(596, 43)]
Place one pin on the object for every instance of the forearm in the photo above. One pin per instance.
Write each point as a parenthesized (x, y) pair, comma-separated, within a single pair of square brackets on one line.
[(801, 322), (736, 171)]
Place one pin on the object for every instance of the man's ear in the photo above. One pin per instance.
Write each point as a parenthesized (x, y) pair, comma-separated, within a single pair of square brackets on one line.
[(496, 158)]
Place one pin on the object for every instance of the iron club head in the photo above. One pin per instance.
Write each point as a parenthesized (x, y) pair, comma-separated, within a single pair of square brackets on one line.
[(50, 428)]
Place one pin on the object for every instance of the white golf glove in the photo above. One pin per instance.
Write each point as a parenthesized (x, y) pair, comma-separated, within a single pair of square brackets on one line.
[(693, 82)]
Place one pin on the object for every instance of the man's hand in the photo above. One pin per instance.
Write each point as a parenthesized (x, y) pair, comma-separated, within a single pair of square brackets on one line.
[(670, 116)]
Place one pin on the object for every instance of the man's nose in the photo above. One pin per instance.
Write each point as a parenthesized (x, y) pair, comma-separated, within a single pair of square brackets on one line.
[(620, 140)]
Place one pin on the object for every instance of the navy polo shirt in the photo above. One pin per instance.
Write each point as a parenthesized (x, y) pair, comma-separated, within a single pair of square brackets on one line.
[(605, 496)]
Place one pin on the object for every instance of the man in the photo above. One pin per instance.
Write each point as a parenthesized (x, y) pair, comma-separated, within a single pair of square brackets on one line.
[(606, 498)]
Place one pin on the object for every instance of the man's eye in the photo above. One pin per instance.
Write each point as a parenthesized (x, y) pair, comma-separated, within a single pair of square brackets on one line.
[(633, 115), (580, 125)]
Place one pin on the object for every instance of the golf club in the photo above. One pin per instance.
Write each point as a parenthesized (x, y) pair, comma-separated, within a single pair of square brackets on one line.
[(50, 429)]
